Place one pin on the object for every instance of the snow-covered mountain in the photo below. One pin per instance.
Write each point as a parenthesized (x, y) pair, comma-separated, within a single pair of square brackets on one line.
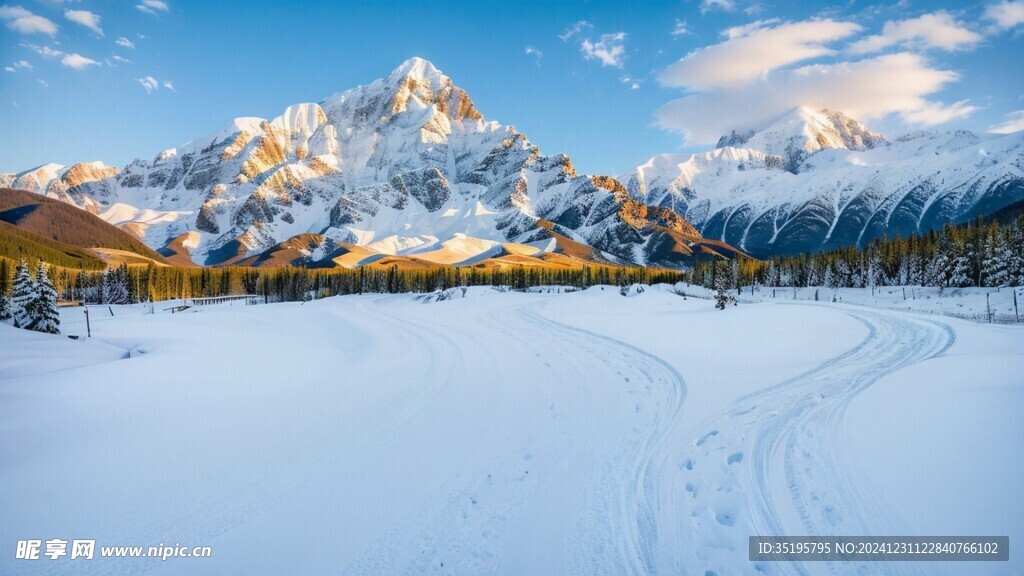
[(405, 165), (819, 180)]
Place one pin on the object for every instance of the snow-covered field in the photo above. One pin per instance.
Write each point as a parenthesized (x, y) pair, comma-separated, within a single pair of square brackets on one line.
[(509, 433)]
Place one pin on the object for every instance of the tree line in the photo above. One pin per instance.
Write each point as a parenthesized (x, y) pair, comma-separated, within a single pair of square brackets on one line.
[(127, 284), (974, 254)]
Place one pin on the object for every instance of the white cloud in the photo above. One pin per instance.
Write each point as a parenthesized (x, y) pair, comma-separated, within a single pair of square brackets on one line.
[(1005, 15), (680, 29), (8, 69), (25, 22), (121, 59), (169, 85), (153, 7), (23, 64), (149, 83), (575, 29), (85, 18), (42, 82), (868, 89), (633, 83), (937, 30), (724, 5), (610, 49), (932, 113), (1014, 122), (531, 51), (753, 51), (745, 29), (12, 12), (78, 62), (44, 51), (124, 43)]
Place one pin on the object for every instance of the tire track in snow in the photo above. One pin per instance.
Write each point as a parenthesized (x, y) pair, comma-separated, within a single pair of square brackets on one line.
[(777, 454), (626, 532)]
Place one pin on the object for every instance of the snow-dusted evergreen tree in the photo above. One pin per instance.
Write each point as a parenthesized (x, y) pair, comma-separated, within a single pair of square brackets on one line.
[(723, 283), (46, 314), (995, 267), (23, 297), (5, 308), (960, 274), (115, 286), (1015, 261), (5, 302)]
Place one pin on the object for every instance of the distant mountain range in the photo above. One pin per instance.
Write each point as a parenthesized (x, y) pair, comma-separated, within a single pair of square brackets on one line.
[(407, 170), (816, 180)]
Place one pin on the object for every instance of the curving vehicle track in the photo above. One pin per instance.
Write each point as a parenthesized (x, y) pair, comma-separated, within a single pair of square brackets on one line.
[(773, 462)]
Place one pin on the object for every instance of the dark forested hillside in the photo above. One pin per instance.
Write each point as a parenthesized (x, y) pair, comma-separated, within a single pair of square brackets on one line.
[(16, 243), (64, 223)]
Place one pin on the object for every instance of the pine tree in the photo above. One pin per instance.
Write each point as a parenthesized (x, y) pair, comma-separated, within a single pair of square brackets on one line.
[(23, 297), (5, 303), (115, 286), (723, 283), (5, 308), (995, 269), (46, 313)]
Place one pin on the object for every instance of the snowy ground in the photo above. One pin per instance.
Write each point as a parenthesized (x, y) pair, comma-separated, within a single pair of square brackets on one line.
[(507, 433), (997, 305)]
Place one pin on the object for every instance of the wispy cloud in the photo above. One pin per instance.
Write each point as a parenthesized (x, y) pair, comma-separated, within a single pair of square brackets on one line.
[(1013, 122), (575, 29), (749, 79), (44, 51), (751, 51), (937, 30), (610, 49), (680, 28), (1005, 15), (24, 65), (121, 59), (23, 21), (78, 62), (890, 84), (723, 5), (153, 7), (9, 69), (85, 18), (149, 83), (531, 51), (745, 29), (125, 43), (633, 83)]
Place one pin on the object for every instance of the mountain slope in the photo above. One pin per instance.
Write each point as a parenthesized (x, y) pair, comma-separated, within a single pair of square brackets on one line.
[(404, 164), (816, 181), (17, 243), (65, 224)]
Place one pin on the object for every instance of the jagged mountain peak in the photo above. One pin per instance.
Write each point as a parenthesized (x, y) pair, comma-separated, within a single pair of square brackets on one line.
[(418, 69), (804, 130)]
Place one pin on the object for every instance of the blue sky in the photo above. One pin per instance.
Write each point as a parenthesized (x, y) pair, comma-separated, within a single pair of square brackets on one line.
[(609, 89)]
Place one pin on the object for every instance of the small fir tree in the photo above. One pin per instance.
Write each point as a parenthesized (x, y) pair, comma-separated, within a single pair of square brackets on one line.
[(23, 297), (46, 312), (723, 284)]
